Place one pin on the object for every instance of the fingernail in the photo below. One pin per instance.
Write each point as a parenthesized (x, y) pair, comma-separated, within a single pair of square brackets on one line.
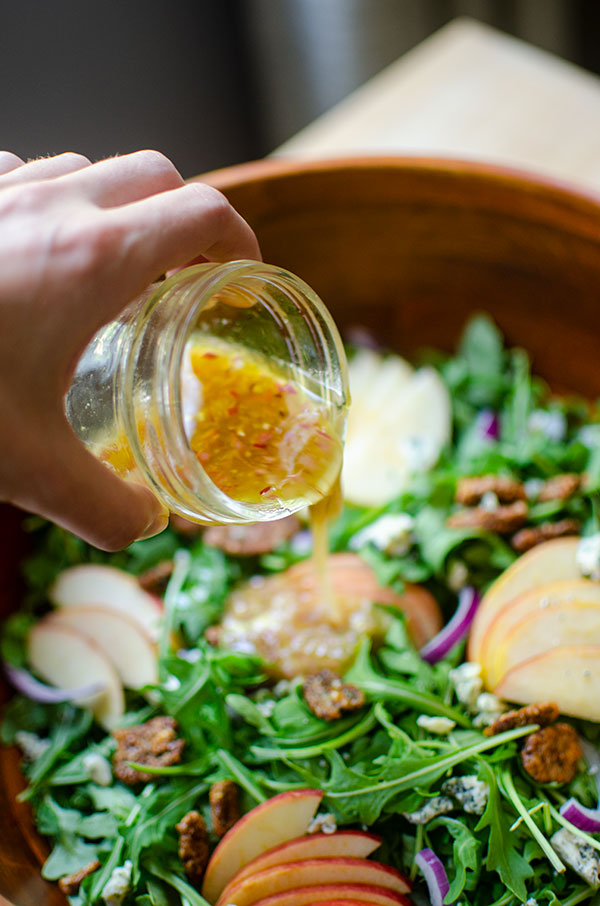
[(157, 525)]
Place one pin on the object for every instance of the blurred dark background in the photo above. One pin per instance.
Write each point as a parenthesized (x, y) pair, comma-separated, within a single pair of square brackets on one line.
[(216, 82)]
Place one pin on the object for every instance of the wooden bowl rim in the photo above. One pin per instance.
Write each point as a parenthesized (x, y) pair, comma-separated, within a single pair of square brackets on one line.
[(510, 182)]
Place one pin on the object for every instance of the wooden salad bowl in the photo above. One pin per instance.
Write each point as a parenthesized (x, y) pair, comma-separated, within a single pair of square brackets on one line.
[(407, 248)]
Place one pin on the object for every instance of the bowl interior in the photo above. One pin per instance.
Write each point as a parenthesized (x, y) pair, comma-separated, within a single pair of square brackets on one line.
[(408, 249)]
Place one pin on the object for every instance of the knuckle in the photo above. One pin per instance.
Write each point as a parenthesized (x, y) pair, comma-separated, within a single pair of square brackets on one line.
[(73, 159), (9, 161), (214, 202), (159, 165)]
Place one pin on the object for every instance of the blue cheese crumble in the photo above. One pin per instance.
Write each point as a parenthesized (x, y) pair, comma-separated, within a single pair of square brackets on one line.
[(441, 726), (579, 855), (470, 792), (439, 805), (391, 533), (118, 885)]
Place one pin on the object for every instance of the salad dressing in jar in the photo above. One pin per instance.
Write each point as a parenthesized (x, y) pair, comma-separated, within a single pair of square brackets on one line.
[(223, 389)]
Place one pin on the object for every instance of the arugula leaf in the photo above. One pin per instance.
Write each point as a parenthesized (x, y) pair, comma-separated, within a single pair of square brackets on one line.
[(502, 853)]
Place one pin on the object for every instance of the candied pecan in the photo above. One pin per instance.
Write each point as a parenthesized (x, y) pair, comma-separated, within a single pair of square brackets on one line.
[(469, 491), (70, 884), (552, 754), (541, 714), (560, 487), (529, 537), (156, 578), (224, 806), (154, 744), (194, 847), (211, 634), (504, 520), (328, 696), (249, 540)]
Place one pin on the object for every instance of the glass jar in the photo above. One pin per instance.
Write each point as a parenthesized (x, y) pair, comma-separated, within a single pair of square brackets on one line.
[(133, 400)]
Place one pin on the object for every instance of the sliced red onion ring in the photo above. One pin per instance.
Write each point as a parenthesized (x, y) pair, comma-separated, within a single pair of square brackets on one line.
[(29, 686), (488, 424), (434, 874), (455, 629), (586, 819)]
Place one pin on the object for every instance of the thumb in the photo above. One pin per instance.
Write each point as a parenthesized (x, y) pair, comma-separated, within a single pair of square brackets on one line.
[(78, 492)]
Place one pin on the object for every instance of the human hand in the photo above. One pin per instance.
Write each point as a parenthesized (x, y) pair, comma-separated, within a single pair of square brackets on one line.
[(78, 242)]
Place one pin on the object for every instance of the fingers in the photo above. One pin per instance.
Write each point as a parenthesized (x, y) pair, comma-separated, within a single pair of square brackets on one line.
[(44, 168), (122, 180), (173, 228), (9, 161), (74, 489)]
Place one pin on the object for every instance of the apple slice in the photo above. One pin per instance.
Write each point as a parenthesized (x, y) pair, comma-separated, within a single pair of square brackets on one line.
[(270, 824), (356, 844), (94, 585), (290, 875), (572, 624), (553, 561), (67, 659), (540, 600), (305, 896), (127, 646), (569, 675), (398, 422)]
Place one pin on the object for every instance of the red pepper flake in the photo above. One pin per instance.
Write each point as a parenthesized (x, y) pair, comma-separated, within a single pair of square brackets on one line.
[(232, 411), (263, 439), (210, 355), (266, 490)]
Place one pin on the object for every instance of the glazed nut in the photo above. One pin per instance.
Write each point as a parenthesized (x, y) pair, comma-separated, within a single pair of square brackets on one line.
[(224, 806), (504, 520), (70, 884), (542, 714), (552, 754), (328, 697), (154, 744), (469, 491), (560, 487), (156, 578), (533, 535), (194, 848)]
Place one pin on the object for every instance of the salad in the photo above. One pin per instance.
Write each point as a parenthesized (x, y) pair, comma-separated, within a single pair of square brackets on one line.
[(393, 744)]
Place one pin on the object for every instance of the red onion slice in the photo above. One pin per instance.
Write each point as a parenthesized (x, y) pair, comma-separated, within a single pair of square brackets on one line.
[(488, 424), (434, 874), (32, 688), (586, 819), (455, 629)]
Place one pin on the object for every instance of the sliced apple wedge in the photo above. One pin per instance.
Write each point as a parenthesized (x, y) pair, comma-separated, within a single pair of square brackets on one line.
[(543, 600), (573, 624), (570, 676), (94, 585), (270, 824), (64, 657), (355, 844), (305, 896), (290, 875), (553, 561), (399, 420), (127, 646)]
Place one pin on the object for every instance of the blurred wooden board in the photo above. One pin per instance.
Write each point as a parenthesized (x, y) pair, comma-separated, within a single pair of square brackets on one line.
[(470, 92)]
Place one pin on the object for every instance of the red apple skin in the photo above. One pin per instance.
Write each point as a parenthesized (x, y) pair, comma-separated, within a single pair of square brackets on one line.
[(288, 875), (223, 865), (318, 893), (349, 843)]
